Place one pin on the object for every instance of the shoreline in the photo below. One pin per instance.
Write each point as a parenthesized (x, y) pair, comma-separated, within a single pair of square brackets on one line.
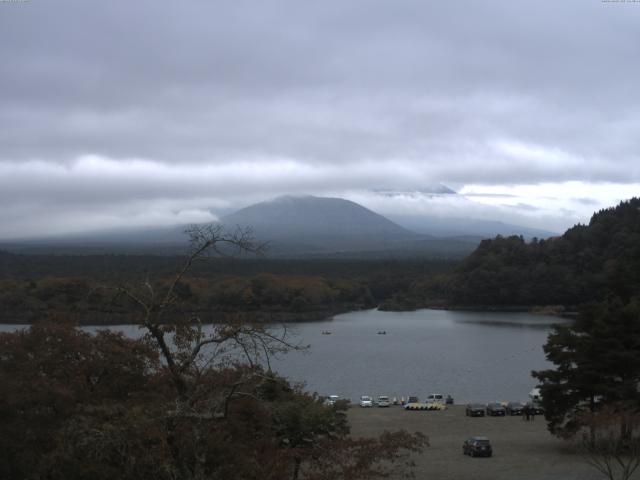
[(557, 310), (263, 317), (326, 315)]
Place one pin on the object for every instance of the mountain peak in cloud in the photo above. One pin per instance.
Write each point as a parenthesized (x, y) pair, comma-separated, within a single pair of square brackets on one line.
[(428, 190), (321, 216)]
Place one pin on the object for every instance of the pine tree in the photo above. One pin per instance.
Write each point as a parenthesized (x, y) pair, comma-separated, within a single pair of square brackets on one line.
[(597, 363)]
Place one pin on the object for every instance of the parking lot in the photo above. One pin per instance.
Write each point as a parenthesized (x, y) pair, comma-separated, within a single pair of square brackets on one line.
[(522, 450)]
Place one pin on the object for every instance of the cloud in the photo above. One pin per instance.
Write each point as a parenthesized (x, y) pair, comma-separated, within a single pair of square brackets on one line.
[(586, 201), (202, 106)]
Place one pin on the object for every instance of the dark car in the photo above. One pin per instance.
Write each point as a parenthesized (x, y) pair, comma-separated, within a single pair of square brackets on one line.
[(477, 447), (514, 408), (474, 410), (496, 410)]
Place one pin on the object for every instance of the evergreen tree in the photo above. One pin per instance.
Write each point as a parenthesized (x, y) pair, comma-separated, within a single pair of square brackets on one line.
[(597, 363)]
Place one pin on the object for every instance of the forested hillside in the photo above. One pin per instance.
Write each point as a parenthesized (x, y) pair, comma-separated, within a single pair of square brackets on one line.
[(585, 264), (34, 287)]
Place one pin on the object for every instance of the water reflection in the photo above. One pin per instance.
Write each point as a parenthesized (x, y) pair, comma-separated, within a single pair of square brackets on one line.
[(512, 324)]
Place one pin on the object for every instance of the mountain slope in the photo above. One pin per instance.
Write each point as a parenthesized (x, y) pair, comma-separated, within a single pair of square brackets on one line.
[(316, 224), (585, 264), (314, 215), (451, 226), (293, 227)]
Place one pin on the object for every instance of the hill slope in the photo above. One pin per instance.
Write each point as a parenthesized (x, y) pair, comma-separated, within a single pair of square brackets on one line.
[(585, 264)]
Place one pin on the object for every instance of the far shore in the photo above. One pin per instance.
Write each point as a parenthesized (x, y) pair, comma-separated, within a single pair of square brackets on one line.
[(292, 317), (557, 310)]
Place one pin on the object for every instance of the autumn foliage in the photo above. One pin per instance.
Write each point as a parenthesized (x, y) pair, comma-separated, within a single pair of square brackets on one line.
[(81, 406)]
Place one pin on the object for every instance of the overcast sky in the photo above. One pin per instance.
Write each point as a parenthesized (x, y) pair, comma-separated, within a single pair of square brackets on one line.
[(119, 113)]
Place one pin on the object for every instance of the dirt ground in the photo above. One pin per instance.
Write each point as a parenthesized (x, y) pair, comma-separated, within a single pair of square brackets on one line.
[(522, 450)]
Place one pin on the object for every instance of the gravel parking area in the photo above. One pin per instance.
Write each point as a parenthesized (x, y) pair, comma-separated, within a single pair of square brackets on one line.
[(522, 450)]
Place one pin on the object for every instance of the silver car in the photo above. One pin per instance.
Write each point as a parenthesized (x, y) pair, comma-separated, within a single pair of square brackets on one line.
[(332, 399), (366, 401)]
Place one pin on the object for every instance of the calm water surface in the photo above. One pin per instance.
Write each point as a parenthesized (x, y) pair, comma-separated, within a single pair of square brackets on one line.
[(474, 356), (470, 355)]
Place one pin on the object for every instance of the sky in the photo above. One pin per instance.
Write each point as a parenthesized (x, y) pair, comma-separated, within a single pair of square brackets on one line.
[(120, 113)]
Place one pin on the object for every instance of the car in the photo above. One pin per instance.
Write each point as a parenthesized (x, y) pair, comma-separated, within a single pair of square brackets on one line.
[(477, 447), (435, 398), (496, 409), (413, 399), (514, 408), (474, 410), (366, 401), (332, 399), (383, 401)]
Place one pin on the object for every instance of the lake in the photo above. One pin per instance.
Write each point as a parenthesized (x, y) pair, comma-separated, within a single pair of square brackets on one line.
[(473, 356)]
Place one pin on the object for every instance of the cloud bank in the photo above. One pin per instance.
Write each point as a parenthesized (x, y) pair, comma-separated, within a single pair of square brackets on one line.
[(120, 113)]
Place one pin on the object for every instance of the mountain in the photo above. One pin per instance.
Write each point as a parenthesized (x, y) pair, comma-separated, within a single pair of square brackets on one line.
[(473, 227), (427, 190), (310, 215), (304, 226), (169, 240), (316, 224), (319, 226)]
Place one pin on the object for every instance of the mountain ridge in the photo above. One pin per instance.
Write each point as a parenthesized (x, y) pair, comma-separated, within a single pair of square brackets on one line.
[(313, 225), (294, 226)]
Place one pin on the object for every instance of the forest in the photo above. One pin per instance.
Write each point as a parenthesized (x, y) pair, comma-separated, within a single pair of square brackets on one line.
[(587, 263), (33, 286)]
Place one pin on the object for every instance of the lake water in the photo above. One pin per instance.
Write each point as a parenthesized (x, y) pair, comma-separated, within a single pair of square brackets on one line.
[(474, 356)]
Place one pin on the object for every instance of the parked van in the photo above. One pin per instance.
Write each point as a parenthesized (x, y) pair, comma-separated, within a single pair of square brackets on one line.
[(435, 398)]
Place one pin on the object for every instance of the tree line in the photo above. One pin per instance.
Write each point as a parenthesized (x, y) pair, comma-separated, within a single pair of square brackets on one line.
[(33, 286), (587, 263), (267, 296)]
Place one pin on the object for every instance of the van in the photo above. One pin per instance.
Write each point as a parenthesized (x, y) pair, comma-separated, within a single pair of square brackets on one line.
[(435, 398)]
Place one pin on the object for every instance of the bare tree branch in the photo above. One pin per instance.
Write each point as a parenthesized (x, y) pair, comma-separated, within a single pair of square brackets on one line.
[(187, 340)]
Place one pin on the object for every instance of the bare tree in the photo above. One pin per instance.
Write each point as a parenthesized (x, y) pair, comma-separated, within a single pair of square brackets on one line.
[(208, 368), (612, 445), (182, 341)]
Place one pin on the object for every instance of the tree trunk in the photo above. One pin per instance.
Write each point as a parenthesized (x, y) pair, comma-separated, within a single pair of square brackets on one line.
[(296, 468)]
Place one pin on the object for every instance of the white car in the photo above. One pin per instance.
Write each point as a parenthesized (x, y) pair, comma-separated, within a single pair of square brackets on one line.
[(332, 399), (383, 401), (366, 401)]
